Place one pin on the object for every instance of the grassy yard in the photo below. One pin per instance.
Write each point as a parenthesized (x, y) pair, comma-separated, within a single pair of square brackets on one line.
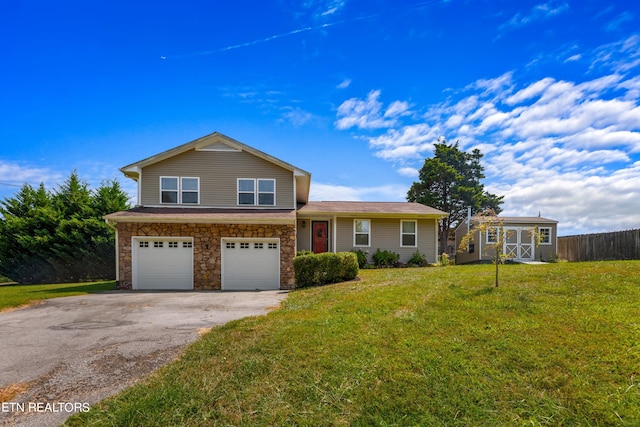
[(556, 344), (17, 295)]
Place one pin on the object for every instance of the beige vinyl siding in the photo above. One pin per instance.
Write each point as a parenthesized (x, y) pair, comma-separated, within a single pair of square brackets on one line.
[(466, 256), (385, 235), (218, 172), (303, 235)]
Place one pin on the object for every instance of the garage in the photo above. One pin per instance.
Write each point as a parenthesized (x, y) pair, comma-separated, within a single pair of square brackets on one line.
[(162, 263), (250, 264)]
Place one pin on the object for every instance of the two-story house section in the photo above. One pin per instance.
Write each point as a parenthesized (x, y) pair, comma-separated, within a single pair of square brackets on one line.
[(215, 213)]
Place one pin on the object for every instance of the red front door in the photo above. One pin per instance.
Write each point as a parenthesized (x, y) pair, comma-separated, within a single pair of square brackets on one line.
[(320, 231)]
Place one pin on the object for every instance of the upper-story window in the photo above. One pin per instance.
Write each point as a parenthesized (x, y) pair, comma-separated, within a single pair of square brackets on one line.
[(256, 192), (179, 190)]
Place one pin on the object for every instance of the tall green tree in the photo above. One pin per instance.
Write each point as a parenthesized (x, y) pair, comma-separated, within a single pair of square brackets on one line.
[(59, 236), (451, 181)]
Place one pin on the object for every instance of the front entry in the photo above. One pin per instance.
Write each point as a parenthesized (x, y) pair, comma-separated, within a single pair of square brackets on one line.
[(320, 236)]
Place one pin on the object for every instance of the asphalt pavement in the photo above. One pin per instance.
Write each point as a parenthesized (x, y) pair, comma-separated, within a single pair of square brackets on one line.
[(65, 354)]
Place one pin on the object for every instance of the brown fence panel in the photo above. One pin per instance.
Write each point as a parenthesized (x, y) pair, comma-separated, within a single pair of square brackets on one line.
[(618, 245)]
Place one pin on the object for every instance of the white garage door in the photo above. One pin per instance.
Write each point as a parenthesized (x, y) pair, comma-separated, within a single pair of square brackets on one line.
[(162, 263), (250, 264)]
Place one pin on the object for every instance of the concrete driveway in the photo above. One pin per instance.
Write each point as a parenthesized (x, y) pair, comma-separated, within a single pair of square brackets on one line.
[(60, 356)]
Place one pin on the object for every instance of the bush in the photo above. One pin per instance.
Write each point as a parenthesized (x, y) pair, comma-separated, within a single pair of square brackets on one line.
[(418, 259), (444, 259), (325, 268), (305, 252), (362, 257), (385, 258)]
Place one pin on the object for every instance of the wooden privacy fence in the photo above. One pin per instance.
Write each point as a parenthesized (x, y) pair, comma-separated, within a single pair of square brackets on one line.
[(618, 245)]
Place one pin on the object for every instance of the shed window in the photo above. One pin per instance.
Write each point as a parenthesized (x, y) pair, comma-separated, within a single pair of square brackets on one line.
[(544, 235), (493, 235)]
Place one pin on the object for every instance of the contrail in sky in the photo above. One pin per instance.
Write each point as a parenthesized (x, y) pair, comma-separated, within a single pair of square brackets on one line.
[(298, 31)]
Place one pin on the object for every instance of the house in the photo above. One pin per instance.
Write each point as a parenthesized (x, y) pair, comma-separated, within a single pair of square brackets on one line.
[(519, 243), (215, 213)]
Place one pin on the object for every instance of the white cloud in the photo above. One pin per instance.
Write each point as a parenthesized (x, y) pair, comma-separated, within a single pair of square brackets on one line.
[(537, 13), (364, 114), (409, 172), (297, 116), (567, 148), (16, 175), (574, 58), (385, 193), (397, 108), (344, 84)]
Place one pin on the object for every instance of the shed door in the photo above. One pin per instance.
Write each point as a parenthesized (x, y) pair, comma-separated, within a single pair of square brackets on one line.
[(518, 243), (250, 264), (161, 263)]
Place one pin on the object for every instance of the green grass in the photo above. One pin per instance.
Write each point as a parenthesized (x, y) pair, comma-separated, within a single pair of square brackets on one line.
[(556, 344), (17, 295)]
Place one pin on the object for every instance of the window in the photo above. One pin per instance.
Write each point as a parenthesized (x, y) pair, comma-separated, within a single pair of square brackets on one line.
[(187, 244), (173, 244), (408, 233), (158, 244), (273, 246), (231, 245), (252, 192), (144, 244), (544, 235), (362, 232), (190, 190), (246, 192), (258, 246), (169, 189), (176, 190), (244, 245), (493, 235), (267, 192)]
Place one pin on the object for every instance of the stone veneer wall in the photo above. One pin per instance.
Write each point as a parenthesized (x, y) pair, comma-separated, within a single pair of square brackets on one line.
[(207, 272)]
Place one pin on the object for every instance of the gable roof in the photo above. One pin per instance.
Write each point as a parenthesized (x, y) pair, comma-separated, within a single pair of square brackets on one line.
[(219, 142), (372, 209)]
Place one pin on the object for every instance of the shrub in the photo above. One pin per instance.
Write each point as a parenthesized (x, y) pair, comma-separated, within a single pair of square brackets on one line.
[(418, 259), (385, 258), (444, 259), (325, 268), (362, 257), (305, 252)]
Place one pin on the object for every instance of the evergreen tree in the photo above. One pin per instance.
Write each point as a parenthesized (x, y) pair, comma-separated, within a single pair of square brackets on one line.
[(62, 236), (450, 181)]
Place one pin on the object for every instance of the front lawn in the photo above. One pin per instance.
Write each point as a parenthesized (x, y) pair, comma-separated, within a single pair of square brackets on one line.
[(17, 295), (556, 344)]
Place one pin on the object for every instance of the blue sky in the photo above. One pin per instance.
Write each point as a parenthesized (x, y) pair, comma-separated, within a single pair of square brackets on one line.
[(355, 92)]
